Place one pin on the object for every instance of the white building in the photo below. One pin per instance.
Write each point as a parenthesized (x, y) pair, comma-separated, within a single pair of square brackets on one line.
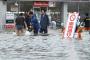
[(3, 9)]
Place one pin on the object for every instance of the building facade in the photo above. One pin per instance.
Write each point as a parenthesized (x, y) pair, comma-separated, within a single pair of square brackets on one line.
[(3, 10), (57, 8)]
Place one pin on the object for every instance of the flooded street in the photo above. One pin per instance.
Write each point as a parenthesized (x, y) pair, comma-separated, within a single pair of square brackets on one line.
[(51, 47)]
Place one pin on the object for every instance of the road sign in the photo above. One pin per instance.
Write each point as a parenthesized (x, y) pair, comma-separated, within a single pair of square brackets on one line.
[(71, 25)]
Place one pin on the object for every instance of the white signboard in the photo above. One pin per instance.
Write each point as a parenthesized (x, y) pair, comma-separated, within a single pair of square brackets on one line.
[(71, 25), (9, 16), (51, 4)]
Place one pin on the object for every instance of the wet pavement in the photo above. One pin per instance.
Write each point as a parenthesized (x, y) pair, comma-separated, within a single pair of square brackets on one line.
[(51, 47)]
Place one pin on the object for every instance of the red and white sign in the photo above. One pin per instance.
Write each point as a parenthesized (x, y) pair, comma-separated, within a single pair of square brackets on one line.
[(71, 25), (9, 26), (41, 4)]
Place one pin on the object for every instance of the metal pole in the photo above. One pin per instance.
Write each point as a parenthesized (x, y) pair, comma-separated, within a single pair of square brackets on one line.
[(18, 7), (78, 7)]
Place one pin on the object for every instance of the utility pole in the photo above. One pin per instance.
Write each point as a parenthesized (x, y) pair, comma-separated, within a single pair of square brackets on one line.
[(18, 7)]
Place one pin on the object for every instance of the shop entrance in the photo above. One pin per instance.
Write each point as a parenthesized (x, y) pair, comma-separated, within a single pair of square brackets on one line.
[(54, 9)]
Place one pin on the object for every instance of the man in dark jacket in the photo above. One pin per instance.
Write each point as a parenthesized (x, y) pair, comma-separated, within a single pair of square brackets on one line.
[(28, 21), (34, 23), (44, 22)]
